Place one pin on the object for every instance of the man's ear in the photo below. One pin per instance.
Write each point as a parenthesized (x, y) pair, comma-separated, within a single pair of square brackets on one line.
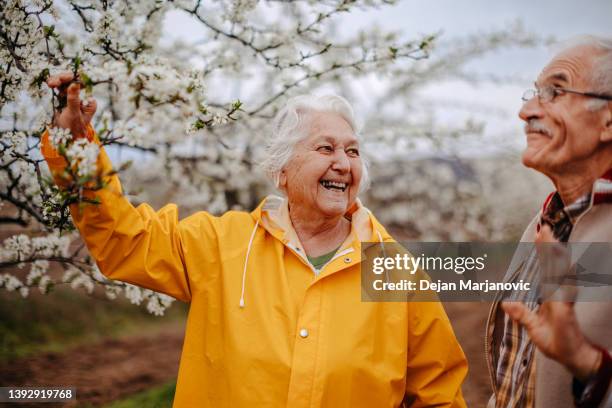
[(606, 134)]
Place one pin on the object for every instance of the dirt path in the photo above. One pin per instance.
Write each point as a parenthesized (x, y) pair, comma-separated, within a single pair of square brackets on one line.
[(469, 321), (102, 372), (116, 368)]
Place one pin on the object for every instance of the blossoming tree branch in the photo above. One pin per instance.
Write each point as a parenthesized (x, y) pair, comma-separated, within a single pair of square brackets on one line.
[(191, 112)]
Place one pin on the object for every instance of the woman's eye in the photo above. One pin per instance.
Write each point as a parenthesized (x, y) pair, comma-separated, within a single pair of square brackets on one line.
[(325, 149), (353, 152)]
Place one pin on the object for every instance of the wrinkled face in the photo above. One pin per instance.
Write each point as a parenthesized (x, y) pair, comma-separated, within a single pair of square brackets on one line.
[(563, 132), (324, 173)]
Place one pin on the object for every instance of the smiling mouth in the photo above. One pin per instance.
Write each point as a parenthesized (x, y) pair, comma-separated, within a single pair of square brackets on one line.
[(333, 185), (535, 135), (540, 132)]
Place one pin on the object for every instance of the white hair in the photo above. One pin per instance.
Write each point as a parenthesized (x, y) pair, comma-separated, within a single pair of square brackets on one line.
[(601, 74), (291, 125)]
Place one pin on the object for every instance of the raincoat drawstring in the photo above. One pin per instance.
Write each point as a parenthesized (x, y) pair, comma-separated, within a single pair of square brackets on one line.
[(246, 261)]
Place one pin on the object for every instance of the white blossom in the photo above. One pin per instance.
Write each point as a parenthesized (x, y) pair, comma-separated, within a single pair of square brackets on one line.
[(24, 291), (44, 284), (60, 136), (78, 279), (112, 291), (84, 154), (133, 294), (37, 270), (238, 9), (51, 245), (158, 303), (10, 282), (16, 247)]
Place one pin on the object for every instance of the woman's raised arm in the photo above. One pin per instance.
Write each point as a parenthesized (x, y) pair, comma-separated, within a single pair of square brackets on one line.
[(135, 245)]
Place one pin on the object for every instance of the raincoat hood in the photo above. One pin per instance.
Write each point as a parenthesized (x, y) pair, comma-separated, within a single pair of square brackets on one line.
[(273, 214)]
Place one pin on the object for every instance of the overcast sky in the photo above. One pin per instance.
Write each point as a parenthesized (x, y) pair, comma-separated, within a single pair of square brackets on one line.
[(561, 19)]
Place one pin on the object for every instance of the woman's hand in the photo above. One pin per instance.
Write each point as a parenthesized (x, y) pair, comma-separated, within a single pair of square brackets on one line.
[(77, 114)]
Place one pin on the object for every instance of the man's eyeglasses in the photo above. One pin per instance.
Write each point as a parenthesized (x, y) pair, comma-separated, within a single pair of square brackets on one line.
[(549, 93)]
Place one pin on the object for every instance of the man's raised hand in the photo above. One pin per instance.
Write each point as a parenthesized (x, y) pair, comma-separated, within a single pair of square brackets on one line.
[(554, 328)]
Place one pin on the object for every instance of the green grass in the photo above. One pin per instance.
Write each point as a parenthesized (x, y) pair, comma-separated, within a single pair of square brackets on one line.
[(158, 397), (66, 318)]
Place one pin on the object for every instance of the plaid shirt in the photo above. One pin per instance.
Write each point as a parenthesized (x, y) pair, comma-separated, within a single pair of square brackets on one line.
[(515, 369)]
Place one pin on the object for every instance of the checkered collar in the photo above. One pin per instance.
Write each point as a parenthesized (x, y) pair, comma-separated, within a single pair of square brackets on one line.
[(562, 217)]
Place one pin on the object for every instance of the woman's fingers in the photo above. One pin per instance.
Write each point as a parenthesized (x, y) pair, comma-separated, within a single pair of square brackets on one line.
[(73, 98), (66, 76), (88, 108), (55, 81)]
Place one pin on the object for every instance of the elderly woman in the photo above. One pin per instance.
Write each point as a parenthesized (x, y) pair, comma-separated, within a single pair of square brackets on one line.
[(276, 317)]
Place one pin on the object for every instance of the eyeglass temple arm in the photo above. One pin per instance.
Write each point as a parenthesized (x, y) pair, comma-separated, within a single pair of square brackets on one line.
[(590, 94)]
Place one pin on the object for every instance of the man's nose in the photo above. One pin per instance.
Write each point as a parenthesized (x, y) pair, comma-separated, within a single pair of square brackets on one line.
[(531, 109)]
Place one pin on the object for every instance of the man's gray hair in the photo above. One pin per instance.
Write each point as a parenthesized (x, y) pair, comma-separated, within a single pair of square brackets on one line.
[(601, 75), (292, 124)]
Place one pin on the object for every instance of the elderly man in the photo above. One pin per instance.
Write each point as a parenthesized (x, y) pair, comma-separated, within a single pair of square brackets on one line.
[(536, 349), (276, 317)]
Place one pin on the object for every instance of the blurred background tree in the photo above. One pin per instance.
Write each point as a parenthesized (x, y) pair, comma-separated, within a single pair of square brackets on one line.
[(192, 115)]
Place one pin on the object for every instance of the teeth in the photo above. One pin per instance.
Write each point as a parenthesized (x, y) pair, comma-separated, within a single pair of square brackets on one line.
[(334, 184)]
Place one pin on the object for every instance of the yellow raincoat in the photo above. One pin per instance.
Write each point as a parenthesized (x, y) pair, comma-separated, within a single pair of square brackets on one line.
[(264, 328)]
